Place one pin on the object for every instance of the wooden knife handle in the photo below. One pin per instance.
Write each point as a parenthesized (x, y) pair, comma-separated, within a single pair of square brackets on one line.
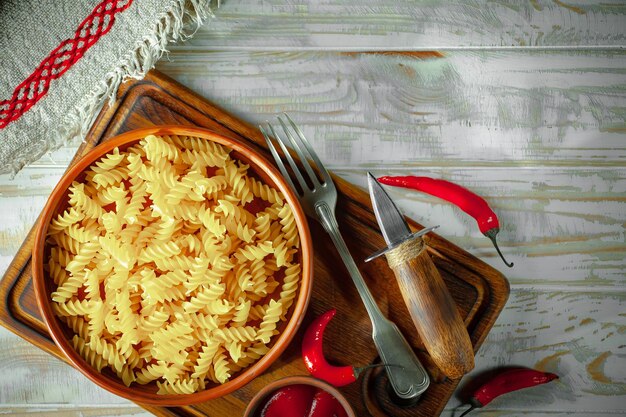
[(432, 308)]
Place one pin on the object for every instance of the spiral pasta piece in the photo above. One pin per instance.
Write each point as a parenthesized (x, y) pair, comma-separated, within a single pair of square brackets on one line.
[(289, 228), (257, 312), (134, 164), (185, 189), (265, 192), (108, 162), (201, 145), (254, 252), (205, 359), (250, 355), (111, 177), (210, 186), (158, 148), (270, 318), (66, 242), (97, 324), (206, 299), (78, 325), (235, 334), (111, 223), (121, 252), (283, 253), (92, 357), (244, 278), (63, 221), (158, 251), (178, 387), (206, 158), (167, 286), (65, 291), (60, 255), (80, 234), (175, 262), (160, 176), (211, 222), (128, 323), (108, 352), (58, 274), (127, 375), (242, 312), (236, 179), (198, 274), (150, 373), (111, 194), (262, 226), (289, 287), (220, 366), (135, 205), (153, 322), (85, 255)]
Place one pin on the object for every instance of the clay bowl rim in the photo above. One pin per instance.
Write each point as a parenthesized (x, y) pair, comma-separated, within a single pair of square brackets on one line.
[(296, 380), (116, 386)]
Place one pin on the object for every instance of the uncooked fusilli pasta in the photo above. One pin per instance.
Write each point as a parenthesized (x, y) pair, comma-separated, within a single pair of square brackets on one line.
[(173, 264)]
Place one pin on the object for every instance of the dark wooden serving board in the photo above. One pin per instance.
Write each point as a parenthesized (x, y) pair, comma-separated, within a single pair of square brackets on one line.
[(479, 290)]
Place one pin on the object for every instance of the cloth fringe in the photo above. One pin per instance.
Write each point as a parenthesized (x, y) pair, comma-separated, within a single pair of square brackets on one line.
[(173, 25)]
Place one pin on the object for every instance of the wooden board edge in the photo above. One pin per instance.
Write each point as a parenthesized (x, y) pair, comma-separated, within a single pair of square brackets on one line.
[(496, 282)]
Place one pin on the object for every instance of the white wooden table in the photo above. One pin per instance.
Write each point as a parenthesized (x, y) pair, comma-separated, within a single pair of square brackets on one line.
[(525, 103)]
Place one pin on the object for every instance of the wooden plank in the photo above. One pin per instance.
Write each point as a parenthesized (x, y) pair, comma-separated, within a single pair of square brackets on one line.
[(578, 335), (32, 376), (469, 108), (73, 411), (563, 332), (588, 324), (476, 108), (563, 223), (370, 24)]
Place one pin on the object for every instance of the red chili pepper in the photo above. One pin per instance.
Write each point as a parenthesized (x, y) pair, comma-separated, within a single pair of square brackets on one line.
[(313, 354), (471, 203), (508, 381)]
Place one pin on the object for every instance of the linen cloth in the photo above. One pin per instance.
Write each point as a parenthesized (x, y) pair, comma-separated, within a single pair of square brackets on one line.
[(31, 29)]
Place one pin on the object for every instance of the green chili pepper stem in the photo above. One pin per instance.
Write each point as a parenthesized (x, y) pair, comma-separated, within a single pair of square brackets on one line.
[(474, 404), (491, 234), (467, 411)]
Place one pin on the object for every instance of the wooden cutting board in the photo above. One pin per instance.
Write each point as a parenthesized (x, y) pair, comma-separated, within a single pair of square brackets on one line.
[(479, 290)]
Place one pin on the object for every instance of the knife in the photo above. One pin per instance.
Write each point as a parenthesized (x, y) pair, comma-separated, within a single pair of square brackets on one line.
[(432, 309)]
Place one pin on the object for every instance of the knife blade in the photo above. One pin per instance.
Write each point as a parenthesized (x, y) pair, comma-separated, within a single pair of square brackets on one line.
[(392, 224), (432, 308)]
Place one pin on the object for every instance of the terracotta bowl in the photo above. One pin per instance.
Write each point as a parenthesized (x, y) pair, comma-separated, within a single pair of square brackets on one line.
[(62, 335), (259, 399)]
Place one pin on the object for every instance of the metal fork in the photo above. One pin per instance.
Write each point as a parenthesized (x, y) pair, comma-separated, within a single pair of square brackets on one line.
[(408, 378)]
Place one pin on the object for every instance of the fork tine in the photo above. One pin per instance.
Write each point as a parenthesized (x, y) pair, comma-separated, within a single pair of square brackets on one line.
[(279, 162), (292, 163), (323, 171), (302, 155)]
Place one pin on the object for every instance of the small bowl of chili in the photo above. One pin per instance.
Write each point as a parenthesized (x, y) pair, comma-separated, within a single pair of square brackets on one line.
[(299, 396)]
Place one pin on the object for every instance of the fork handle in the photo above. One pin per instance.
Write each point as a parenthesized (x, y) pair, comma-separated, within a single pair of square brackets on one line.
[(408, 377), (329, 221)]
